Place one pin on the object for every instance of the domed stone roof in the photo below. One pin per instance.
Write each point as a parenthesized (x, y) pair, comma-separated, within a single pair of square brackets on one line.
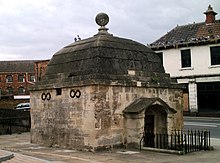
[(104, 59)]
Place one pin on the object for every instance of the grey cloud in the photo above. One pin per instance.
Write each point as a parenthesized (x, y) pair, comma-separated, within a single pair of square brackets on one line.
[(33, 31)]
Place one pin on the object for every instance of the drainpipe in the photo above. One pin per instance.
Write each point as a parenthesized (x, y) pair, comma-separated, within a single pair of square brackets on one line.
[(36, 70), (28, 80)]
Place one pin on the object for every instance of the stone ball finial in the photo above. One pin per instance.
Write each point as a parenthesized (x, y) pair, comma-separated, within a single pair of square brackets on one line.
[(102, 19)]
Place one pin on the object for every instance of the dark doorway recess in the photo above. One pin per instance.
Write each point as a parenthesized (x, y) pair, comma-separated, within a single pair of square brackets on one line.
[(149, 131)]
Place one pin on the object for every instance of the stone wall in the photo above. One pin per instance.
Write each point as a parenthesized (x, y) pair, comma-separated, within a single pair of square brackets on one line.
[(92, 116)]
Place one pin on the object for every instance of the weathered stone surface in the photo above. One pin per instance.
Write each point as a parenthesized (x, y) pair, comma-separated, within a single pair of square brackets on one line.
[(104, 59), (96, 118)]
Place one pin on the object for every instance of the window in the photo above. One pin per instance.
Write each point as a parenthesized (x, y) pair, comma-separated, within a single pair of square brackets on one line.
[(160, 54), (212, 86), (9, 79), (10, 90), (59, 91), (185, 58), (215, 55), (32, 78), (21, 90), (21, 78)]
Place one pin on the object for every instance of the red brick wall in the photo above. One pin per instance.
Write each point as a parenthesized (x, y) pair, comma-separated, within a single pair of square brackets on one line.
[(15, 84), (40, 69), (210, 18)]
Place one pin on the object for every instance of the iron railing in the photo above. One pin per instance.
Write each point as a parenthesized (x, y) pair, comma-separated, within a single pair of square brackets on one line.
[(180, 140), (15, 124)]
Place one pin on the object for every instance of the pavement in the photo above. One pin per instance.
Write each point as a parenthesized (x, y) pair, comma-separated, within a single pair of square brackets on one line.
[(17, 148)]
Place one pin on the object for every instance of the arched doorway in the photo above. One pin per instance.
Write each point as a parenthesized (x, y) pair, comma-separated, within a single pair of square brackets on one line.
[(148, 116)]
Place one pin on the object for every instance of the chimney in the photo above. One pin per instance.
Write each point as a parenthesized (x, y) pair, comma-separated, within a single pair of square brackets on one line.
[(210, 15)]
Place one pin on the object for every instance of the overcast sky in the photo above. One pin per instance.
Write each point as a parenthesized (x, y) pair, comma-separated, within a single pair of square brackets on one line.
[(36, 29)]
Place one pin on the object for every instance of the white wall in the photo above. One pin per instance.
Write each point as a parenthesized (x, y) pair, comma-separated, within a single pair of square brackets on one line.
[(200, 61)]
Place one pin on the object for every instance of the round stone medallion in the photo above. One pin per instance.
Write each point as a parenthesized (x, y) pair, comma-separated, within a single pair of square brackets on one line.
[(102, 19)]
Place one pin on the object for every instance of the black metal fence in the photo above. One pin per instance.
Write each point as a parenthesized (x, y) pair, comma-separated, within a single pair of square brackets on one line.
[(15, 125), (180, 140), (14, 121)]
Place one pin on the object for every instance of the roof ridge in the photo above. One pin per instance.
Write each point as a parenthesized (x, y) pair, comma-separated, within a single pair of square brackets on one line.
[(190, 24), (194, 23)]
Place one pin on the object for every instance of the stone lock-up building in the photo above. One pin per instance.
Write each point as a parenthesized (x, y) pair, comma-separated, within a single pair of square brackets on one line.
[(102, 92)]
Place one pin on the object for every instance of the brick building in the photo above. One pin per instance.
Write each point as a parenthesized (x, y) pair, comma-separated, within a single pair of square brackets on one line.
[(16, 77), (40, 68)]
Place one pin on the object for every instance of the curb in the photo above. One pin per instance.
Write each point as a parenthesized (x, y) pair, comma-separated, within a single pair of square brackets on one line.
[(211, 148), (6, 156), (163, 150)]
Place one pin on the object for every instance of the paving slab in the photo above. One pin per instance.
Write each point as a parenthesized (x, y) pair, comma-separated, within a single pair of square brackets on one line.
[(19, 145), (5, 155)]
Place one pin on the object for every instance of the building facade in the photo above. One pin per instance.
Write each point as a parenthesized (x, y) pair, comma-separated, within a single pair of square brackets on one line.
[(191, 54), (16, 77)]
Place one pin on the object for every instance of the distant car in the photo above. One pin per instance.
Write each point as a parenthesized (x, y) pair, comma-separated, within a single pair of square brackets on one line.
[(23, 106)]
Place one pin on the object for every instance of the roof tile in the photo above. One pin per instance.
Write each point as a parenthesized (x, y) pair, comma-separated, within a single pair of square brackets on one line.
[(17, 66), (192, 34)]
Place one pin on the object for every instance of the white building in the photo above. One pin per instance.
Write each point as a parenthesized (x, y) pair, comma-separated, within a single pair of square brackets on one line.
[(191, 54)]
